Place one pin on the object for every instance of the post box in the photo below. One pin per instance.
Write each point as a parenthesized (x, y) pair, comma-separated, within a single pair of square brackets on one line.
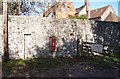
[(52, 41)]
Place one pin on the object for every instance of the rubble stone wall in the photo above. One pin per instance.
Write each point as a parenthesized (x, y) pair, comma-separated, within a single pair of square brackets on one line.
[(29, 36)]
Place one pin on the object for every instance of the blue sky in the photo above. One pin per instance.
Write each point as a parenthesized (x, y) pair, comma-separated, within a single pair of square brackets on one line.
[(98, 3)]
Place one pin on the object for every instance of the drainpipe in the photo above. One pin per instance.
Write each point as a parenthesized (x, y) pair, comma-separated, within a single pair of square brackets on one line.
[(5, 31)]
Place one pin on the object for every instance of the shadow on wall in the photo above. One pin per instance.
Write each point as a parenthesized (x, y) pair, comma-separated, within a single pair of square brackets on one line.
[(68, 49), (107, 33)]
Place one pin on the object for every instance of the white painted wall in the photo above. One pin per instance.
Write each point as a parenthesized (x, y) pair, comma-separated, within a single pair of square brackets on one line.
[(107, 12)]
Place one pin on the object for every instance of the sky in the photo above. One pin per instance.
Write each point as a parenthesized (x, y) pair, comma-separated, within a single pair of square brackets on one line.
[(99, 3)]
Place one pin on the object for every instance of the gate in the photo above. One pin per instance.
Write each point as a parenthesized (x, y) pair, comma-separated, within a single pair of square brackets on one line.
[(104, 51)]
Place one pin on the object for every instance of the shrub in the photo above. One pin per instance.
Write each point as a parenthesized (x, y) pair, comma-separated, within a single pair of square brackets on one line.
[(78, 17)]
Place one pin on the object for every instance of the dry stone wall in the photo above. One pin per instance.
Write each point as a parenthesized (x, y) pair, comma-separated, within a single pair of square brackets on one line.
[(29, 36)]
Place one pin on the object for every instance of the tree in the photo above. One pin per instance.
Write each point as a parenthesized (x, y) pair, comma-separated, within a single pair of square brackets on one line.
[(29, 8), (12, 8), (83, 17), (25, 7), (1, 6)]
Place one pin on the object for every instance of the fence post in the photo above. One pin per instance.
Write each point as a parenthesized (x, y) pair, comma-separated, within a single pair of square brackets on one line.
[(78, 41), (81, 48)]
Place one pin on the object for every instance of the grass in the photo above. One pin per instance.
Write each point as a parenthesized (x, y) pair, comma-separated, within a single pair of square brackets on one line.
[(48, 63), (40, 63), (100, 63), (105, 62), (116, 57)]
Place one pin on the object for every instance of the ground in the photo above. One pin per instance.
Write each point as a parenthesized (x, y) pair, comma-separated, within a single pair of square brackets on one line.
[(60, 67)]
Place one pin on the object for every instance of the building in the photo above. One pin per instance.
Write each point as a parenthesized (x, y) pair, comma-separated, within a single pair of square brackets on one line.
[(63, 10), (60, 10), (112, 17), (105, 13)]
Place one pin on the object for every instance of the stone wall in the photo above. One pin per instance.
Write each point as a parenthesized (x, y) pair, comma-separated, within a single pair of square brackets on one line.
[(29, 36), (108, 33)]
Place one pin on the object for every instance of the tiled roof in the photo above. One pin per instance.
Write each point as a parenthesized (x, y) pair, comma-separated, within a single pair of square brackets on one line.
[(79, 9), (112, 17), (98, 12), (94, 13)]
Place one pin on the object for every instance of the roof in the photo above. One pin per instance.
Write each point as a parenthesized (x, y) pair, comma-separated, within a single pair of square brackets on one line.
[(79, 9), (98, 12), (112, 17)]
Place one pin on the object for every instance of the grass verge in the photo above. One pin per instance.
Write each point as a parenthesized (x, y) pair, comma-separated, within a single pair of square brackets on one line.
[(39, 63)]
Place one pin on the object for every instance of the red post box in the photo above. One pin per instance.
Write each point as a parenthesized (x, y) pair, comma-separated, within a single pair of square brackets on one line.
[(52, 44)]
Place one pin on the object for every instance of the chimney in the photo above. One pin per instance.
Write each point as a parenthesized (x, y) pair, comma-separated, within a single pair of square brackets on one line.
[(87, 4)]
